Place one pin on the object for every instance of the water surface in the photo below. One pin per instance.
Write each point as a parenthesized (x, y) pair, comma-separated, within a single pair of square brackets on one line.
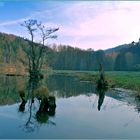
[(80, 112)]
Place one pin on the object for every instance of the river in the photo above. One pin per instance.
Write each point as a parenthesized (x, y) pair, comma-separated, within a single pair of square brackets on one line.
[(80, 111)]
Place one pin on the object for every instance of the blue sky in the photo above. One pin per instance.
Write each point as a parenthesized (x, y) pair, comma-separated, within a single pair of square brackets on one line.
[(83, 24)]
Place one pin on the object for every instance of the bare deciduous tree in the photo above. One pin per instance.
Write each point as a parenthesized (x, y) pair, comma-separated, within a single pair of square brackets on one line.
[(35, 53)]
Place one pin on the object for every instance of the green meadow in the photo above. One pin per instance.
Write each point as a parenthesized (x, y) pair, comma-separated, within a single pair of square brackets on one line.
[(119, 79)]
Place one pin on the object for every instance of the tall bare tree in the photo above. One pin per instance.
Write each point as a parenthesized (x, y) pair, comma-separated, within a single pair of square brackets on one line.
[(35, 52)]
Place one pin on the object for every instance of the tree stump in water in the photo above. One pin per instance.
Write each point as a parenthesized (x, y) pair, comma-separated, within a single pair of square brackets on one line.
[(101, 83)]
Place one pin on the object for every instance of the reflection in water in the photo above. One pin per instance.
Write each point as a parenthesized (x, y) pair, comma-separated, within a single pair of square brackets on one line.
[(101, 93), (23, 103), (38, 95), (9, 89), (67, 86), (34, 96), (46, 109), (75, 119)]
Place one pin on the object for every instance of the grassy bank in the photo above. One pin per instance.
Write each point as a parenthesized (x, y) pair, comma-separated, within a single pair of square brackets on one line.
[(127, 80)]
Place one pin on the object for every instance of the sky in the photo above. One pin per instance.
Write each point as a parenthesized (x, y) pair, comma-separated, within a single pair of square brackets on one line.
[(83, 24)]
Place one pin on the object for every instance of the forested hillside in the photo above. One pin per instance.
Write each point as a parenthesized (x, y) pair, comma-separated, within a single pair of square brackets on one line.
[(126, 57), (13, 53), (64, 57)]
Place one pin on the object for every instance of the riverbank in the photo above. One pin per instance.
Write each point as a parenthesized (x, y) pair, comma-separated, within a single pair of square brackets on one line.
[(116, 79), (122, 79)]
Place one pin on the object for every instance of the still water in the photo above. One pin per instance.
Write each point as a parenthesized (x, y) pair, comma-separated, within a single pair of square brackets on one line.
[(80, 112)]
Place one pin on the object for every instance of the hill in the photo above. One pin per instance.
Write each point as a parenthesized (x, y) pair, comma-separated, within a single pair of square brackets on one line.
[(126, 56), (13, 58), (59, 57), (116, 49)]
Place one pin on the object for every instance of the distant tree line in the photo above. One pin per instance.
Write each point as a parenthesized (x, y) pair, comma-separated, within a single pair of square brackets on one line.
[(128, 59), (65, 57)]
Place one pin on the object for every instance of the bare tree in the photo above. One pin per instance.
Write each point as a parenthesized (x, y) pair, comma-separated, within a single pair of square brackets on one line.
[(35, 52)]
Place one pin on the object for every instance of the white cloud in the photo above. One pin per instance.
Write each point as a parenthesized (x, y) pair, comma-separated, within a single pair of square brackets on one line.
[(117, 23), (89, 24), (13, 22)]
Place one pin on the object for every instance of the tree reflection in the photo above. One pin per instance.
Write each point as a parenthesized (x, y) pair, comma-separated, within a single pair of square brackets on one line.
[(39, 103), (102, 86), (23, 103), (46, 109), (101, 93)]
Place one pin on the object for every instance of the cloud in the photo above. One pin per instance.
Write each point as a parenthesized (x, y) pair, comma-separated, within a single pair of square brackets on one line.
[(114, 23), (13, 22), (36, 14), (86, 24)]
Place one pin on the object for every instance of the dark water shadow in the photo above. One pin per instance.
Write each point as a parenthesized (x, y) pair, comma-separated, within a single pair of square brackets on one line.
[(101, 93), (39, 96)]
